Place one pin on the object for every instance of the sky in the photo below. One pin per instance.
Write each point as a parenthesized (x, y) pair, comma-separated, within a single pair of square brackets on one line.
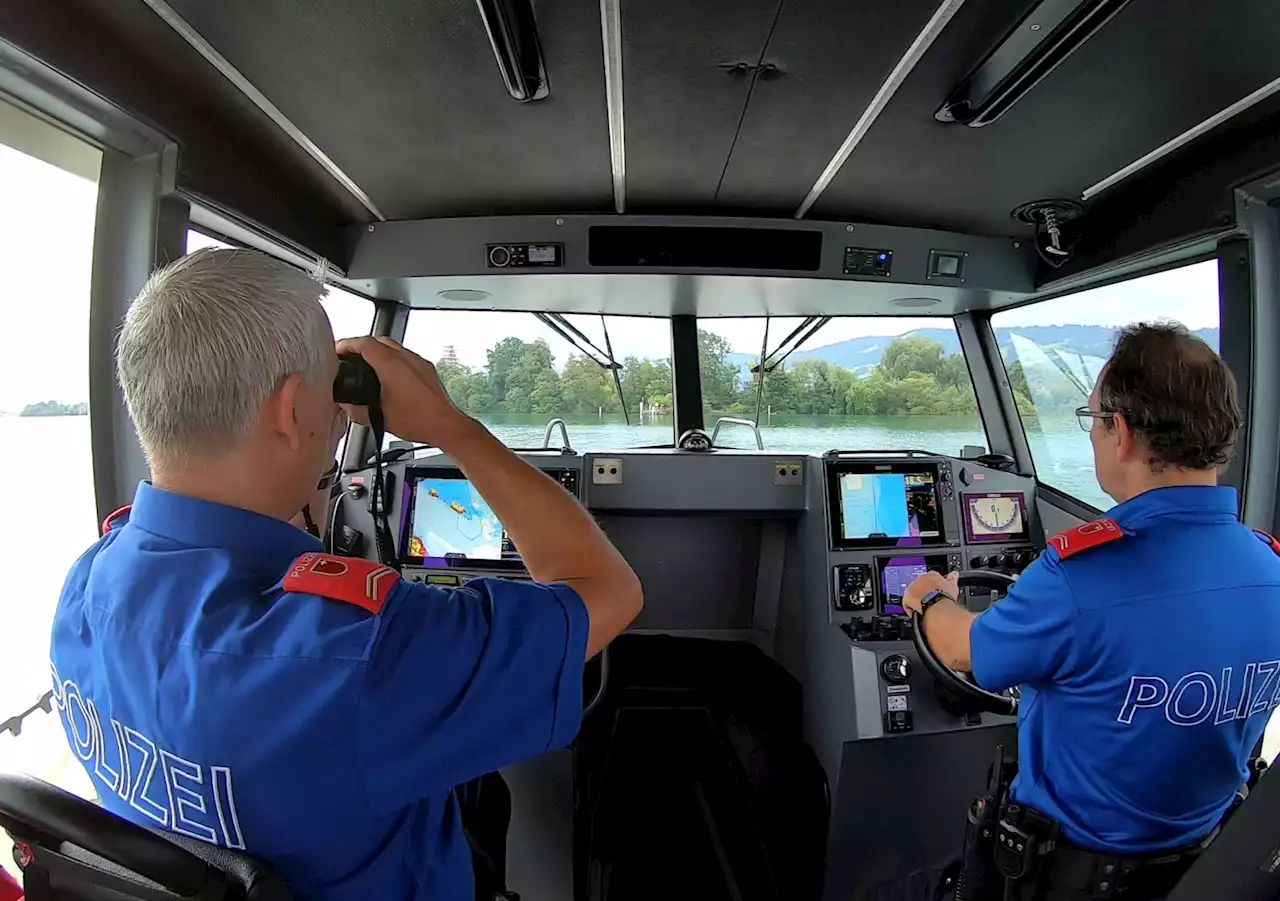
[(46, 247)]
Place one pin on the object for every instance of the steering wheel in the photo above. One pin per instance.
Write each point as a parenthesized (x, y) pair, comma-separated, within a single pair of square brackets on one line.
[(962, 684)]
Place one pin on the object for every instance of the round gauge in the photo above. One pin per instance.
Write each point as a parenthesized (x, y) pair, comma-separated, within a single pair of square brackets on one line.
[(996, 514)]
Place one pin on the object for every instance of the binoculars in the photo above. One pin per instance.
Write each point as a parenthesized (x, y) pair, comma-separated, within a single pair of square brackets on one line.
[(356, 383)]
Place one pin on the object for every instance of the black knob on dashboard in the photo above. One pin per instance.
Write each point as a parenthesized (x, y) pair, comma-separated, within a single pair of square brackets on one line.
[(999, 560), (896, 669), (978, 562)]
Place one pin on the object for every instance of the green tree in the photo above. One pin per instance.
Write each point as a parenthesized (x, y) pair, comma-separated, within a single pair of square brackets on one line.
[(515, 369), (907, 355), (647, 381), (586, 388), (721, 381)]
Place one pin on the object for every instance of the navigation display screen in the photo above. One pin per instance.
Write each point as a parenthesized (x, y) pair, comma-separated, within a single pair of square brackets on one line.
[(448, 523), (995, 517), (887, 508), (896, 573)]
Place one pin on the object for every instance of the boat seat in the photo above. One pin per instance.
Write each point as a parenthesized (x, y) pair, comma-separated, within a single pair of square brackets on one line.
[(71, 849), (1243, 862)]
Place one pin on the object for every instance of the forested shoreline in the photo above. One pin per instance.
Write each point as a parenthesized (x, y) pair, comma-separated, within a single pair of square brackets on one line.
[(914, 376)]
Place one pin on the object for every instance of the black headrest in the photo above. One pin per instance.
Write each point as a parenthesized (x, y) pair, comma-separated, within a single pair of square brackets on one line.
[(123, 860)]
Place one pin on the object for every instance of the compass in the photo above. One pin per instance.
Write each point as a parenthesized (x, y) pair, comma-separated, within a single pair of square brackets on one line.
[(996, 514)]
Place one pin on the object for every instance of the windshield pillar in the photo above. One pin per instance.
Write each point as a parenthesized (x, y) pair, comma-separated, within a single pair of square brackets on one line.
[(390, 320), (686, 374), (138, 227), (996, 403)]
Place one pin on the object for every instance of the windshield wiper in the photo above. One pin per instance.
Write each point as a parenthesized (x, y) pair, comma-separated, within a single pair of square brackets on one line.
[(602, 358), (769, 361), (1065, 368)]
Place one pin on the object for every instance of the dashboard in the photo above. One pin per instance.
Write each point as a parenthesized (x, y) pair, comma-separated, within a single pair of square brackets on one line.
[(805, 556)]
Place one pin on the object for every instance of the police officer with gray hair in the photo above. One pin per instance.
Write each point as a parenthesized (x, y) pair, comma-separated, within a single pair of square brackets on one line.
[(222, 678)]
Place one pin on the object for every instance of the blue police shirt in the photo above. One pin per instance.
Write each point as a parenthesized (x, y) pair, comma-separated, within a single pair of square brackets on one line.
[(204, 698), (1149, 666)]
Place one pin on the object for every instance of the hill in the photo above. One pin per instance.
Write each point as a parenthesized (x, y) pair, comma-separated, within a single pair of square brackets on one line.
[(863, 354)]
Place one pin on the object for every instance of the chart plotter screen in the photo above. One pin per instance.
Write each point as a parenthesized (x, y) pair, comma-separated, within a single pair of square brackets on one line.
[(889, 508), (450, 523)]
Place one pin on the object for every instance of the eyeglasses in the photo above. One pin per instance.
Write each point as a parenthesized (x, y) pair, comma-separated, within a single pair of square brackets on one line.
[(1086, 417)]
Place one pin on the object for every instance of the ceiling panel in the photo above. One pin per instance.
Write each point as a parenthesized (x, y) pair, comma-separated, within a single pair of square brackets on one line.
[(406, 98), (681, 107), (831, 58), (1155, 70)]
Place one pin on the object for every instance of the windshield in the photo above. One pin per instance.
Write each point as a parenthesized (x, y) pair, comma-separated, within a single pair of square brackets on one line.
[(853, 383), (515, 372)]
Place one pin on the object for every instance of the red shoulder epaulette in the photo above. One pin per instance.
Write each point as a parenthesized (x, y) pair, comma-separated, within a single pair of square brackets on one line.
[(1268, 538), (1081, 538), (112, 517), (9, 888), (346, 579)]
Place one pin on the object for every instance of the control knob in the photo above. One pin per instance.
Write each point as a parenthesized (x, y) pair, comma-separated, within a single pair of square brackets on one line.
[(896, 669), (999, 560), (978, 562)]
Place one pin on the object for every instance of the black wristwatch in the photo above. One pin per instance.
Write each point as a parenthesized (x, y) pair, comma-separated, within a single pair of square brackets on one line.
[(932, 598)]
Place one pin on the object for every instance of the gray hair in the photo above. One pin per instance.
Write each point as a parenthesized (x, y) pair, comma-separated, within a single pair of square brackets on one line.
[(206, 342)]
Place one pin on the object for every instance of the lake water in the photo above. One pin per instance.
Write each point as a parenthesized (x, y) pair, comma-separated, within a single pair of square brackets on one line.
[(51, 519)]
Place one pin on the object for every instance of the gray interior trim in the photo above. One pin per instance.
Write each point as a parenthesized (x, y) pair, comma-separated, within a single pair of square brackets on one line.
[(924, 40), (865, 672), (1183, 139), (49, 95), (1262, 479), (611, 35), (260, 100), (773, 559), (124, 254), (38, 138), (1235, 343), (996, 404)]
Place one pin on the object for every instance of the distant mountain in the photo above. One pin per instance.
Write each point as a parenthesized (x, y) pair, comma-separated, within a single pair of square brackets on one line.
[(863, 354)]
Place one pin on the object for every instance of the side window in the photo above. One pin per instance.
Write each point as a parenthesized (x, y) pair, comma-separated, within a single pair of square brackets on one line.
[(1054, 350), (49, 184)]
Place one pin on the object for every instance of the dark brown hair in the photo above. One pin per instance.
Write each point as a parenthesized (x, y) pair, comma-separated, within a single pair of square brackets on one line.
[(1176, 394)]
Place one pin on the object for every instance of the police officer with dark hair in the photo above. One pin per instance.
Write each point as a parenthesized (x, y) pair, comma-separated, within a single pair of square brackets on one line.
[(1146, 643)]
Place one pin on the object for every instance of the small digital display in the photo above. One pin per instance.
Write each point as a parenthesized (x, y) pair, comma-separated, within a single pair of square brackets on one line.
[(447, 523), (542, 253), (889, 508), (896, 573), (996, 516)]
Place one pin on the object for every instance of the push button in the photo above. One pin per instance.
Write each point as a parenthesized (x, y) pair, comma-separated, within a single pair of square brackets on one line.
[(897, 721)]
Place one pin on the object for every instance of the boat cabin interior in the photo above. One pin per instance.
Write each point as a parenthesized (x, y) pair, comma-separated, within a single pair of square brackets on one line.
[(797, 297)]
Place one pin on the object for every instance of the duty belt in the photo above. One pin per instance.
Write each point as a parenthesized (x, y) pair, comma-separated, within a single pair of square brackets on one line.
[(1029, 851)]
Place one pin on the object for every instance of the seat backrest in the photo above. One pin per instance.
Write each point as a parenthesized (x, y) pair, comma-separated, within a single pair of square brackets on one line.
[(73, 850), (1243, 862)]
